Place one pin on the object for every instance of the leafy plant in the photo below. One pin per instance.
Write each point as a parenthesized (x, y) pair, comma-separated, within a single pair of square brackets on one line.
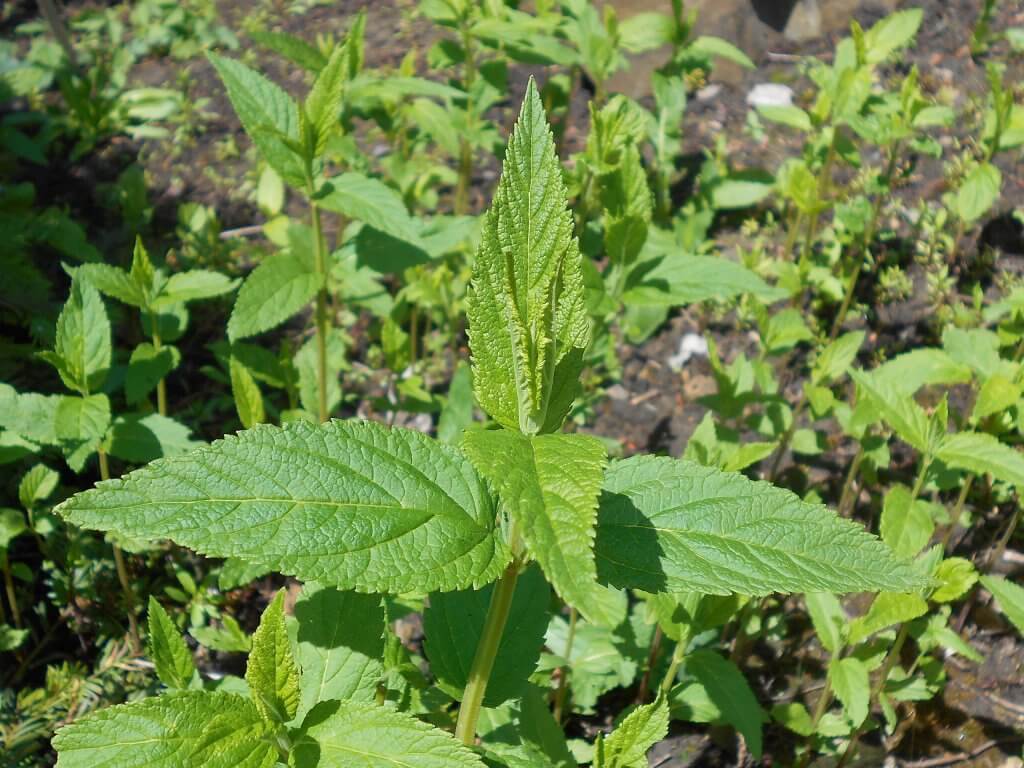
[(395, 511)]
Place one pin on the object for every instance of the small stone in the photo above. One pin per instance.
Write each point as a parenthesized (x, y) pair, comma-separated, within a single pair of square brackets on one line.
[(770, 95), (709, 92), (691, 345)]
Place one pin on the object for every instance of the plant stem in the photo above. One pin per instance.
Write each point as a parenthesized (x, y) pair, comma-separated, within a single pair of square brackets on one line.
[(922, 473), (846, 497), (122, 570), (486, 652), (652, 659), (48, 8), (678, 654), (564, 671), (890, 661), (319, 259), (12, 596), (787, 436), (465, 149), (161, 385), (954, 518)]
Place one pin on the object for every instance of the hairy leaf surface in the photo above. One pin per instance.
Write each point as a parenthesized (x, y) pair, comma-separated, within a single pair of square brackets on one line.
[(272, 673), (527, 319), (351, 734), (351, 504), (171, 656), (550, 484), (673, 525), (187, 728)]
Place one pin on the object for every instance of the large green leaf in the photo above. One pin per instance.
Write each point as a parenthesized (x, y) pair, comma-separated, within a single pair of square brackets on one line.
[(672, 525), (550, 484), (352, 734), (138, 439), (982, 453), (527, 317), (339, 645), (906, 524), (454, 621), (352, 504), (979, 192), (194, 285), (187, 728), (273, 292), (268, 114), (372, 202), (323, 103)]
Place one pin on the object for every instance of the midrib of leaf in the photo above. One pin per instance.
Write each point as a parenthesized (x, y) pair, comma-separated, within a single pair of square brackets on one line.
[(365, 754)]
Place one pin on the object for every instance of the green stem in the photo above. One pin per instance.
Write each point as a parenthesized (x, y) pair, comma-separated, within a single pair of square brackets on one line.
[(486, 652), (465, 149), (564, 671), (320, 318), (161, 385), (890, 661), (122, 570), (922, 473), (678, 654), (787, 436), (954, 518), (846, 497), (12, 596)]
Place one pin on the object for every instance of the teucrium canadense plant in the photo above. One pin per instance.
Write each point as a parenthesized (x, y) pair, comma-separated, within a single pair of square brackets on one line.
[(357, 506)]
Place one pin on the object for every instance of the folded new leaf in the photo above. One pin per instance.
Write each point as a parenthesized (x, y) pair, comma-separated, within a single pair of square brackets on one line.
[(350, 504), (527, 320), (673, 525)]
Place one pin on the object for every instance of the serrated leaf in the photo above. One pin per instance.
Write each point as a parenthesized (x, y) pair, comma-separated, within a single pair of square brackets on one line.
[(905, 416), (12, 525), (295, 49), (339, 645), (1010, 597), (891, 34), (246, 393), (836, 358), (268, 114), (527, 316), (138, 439), (83, 339), (36, 485), (828, 618), (170, 654), (10, 638), (146, 367), (979, 192), (372, 202), (981, 453), (272, 673), (323, 103), (113, 282), (627, 745), (549, 484), (906, 524), (912, 370), (352, 733), (887, 610), (955, 575), (351, 504), (453, 623), (672, 525), (278, 288), (194, 285), (82, 419), (849, 679), (214, 730)]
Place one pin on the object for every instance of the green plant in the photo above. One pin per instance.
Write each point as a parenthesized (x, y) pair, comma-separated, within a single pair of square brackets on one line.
[(366, 511)]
